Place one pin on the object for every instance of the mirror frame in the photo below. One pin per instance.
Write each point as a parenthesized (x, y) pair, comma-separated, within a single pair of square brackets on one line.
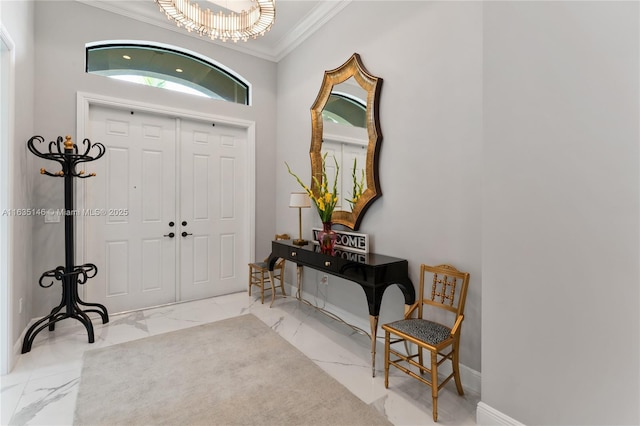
[(372, 85)]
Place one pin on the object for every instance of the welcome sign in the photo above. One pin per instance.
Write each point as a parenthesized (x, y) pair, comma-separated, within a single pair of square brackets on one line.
[(349, 241)]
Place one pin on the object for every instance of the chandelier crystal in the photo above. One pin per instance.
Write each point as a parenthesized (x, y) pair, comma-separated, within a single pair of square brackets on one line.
[(235, 26)]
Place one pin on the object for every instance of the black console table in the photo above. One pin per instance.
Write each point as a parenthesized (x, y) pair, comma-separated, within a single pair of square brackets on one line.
[(374, 272)]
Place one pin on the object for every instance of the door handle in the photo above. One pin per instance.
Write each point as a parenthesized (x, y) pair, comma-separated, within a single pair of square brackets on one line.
[(185, 233), (170, 235)]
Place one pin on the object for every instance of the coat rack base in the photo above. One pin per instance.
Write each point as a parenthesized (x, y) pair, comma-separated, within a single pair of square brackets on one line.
[(70, 305)]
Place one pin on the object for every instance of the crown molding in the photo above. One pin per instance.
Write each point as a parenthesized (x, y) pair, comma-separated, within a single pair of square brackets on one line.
[(319, 16)]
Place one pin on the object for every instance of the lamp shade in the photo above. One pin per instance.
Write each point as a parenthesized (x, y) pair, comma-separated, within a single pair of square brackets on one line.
[(300, 200)]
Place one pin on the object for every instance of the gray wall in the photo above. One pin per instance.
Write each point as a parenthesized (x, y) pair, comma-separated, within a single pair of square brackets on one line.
[(430, 157), (17, 17), (62, 30), (560, 325), (524, 115)]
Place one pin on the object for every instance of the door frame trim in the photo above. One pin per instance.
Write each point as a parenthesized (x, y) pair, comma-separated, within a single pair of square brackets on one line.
[(8, 319), (84, 100)]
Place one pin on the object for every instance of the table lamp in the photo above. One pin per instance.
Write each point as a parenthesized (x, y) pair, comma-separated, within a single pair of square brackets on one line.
[(300, 200)]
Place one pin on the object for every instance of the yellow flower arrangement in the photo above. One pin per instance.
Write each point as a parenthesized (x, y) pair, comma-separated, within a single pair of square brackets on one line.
[(358, 187), (326, 200)]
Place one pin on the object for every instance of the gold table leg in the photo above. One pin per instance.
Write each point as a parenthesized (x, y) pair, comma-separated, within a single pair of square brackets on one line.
[(373, 320), (299, 281), (273, 289)]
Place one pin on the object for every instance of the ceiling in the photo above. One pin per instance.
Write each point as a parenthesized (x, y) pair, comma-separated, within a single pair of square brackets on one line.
[(295, 21)]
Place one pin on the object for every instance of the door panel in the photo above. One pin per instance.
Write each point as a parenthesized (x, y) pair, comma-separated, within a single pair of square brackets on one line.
[(345, 154), (134, 197), (212, 193)]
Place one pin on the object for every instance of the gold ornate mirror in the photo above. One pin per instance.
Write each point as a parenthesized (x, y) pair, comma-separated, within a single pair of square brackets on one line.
[(345, 124)]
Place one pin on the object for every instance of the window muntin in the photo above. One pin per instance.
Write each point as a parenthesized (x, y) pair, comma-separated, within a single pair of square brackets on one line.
[(167, 68)]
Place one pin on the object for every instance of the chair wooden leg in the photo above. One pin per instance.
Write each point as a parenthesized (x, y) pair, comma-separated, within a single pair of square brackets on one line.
[(434, 384), (456, 370), (386, 358), (250, 279)]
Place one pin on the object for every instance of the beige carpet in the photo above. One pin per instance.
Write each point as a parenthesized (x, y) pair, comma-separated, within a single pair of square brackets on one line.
[(232, 372)]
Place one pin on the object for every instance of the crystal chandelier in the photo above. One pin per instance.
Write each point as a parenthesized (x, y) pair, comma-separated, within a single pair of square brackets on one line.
[(235, 26)]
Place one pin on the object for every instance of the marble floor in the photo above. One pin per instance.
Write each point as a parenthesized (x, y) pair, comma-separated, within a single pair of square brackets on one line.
[(42, 388)]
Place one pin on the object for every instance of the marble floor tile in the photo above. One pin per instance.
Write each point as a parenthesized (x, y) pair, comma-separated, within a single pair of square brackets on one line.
[(11, 393), (42, 388), (48, 400)]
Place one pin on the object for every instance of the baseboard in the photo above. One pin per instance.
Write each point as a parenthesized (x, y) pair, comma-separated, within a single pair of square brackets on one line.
[(17, 351), (17, 346), (471, 379), (488, 416)]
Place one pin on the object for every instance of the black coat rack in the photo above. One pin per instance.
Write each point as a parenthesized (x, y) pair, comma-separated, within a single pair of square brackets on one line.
[(70, 275)]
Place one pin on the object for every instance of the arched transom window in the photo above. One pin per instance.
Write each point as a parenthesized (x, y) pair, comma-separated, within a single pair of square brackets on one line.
[(345, 109), (167, 68)]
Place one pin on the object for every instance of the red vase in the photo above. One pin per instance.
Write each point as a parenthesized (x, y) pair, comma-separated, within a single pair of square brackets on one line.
[(327, 238)]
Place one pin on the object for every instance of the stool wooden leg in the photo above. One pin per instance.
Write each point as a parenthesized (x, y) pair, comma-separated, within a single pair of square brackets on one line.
[(273, 288), (284, 293)]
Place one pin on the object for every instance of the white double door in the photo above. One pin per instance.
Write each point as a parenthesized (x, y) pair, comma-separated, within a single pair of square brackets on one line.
[(164, 219)]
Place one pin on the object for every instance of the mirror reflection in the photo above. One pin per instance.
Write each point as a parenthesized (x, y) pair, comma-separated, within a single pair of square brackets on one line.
[(345, 125), (345, 138)]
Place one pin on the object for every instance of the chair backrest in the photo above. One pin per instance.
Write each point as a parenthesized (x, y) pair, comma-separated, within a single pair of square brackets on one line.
[(443, 287), (279, 237)]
